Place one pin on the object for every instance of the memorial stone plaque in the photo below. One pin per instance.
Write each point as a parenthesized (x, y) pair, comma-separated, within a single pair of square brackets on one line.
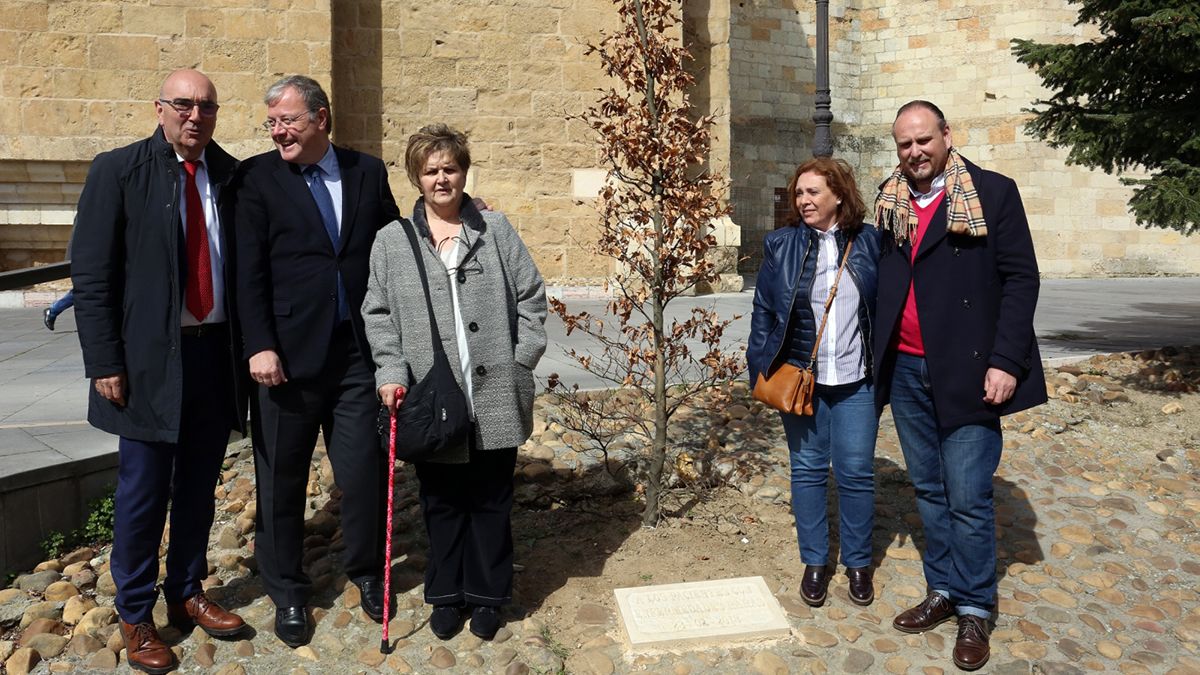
[(700, 611)]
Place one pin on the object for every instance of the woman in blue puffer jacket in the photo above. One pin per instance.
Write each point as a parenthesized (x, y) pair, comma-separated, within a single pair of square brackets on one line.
[(800, 263)]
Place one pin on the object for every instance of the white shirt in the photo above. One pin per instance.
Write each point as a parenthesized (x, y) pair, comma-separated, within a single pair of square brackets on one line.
[(924, 199), (449, 256), (840, 358), (212, 223)]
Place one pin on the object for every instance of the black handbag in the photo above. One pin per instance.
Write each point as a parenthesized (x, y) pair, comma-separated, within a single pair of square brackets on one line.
[(433, 417)]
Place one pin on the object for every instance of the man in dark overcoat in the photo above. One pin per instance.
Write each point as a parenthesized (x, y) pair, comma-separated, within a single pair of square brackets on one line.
[(954, 351), (307, 216), (152, 266)]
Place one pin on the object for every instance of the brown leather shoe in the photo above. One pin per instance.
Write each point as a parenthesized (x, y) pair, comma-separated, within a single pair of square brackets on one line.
[(933, 611), (198, 610), (862, 591), (971, 649), (815, 585), (145, 651)]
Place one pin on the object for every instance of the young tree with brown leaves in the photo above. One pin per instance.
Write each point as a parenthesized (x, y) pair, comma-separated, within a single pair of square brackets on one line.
[(655, 213)]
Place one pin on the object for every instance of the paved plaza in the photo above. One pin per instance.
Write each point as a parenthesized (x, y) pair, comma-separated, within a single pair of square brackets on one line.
[(43, 396)]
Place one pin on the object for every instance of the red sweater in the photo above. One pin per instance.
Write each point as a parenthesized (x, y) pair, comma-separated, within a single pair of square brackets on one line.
[(909, 339)]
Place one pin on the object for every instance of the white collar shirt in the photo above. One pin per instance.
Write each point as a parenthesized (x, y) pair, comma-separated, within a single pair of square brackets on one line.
[(924, 199), (840, 358)]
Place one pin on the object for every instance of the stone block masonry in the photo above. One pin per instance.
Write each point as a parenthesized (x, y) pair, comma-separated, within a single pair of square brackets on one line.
[(37, 208), (955, 53), (510, 74), (80, 75)]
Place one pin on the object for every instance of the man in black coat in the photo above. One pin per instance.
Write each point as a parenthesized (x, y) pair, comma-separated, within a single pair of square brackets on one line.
[(307, 215), (954, 350), (152, 270)]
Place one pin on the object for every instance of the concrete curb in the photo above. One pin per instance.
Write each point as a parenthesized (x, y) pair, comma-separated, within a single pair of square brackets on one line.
[(18, 299), (48, 499)]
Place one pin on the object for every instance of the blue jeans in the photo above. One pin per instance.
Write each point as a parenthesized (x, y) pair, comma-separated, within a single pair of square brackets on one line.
[(841, 430), (951, 470), (62, 304)]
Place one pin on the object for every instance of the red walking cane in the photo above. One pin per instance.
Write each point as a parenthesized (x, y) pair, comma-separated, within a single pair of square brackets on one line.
[(384, 645)]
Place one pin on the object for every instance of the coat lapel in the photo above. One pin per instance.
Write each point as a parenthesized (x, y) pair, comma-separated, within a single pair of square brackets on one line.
[(289, 178)]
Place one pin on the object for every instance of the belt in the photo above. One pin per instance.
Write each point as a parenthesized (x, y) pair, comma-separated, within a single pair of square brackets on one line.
[(204, 329)]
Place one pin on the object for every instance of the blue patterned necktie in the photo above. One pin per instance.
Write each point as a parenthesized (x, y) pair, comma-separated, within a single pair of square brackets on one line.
[(324, 201)]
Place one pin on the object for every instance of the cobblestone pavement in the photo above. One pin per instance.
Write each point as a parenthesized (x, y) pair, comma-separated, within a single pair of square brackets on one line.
[(1098, 507)]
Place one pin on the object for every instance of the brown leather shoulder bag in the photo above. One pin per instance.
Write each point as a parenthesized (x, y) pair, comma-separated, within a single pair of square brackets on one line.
[(790, 388)]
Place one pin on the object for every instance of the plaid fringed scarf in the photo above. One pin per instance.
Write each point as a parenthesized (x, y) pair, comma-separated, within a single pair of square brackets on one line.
[(964, 215)]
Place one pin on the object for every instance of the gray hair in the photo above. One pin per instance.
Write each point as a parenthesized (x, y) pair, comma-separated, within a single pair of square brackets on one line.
[(310, 91)]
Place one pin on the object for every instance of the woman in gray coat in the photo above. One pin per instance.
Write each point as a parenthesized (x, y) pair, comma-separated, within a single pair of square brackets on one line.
[(489, 302)]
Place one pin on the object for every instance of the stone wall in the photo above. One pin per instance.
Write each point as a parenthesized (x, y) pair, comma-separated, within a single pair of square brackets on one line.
[(37, 207), (510, 74), (958, 55), (771, 92), (80, 76)]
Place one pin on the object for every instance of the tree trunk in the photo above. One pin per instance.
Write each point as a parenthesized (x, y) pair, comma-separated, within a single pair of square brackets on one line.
[(658, 449)]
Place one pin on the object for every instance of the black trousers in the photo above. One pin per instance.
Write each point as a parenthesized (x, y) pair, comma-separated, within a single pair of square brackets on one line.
[(341, 403), (468, 516), (151, 474)]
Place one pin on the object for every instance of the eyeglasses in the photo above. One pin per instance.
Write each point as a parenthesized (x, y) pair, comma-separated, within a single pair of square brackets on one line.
[(285, 121), (184, 106)]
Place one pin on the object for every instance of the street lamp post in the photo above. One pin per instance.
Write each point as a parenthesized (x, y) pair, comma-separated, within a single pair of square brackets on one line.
[(822, 145)]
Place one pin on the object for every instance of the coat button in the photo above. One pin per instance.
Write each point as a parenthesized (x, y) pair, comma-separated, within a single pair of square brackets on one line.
[(966, 304), (957, 250), (480, 370), (976, 355), (473, 327)]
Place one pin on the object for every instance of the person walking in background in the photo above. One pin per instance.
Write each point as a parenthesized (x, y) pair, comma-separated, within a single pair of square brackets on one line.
[(490, 307), (954, 350), (50, 314), (307, 215), (789, 323), (158, 334)]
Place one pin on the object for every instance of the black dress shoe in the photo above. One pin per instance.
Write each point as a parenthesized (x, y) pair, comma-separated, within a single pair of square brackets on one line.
[(933, 611), (48, 318), (862, 591), (371, 590), (291, 625), (485, 621), (815, 585), (446, 621), (971, 649)]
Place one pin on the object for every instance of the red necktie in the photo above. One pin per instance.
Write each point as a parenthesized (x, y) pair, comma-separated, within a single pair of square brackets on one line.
[(199, 293)]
